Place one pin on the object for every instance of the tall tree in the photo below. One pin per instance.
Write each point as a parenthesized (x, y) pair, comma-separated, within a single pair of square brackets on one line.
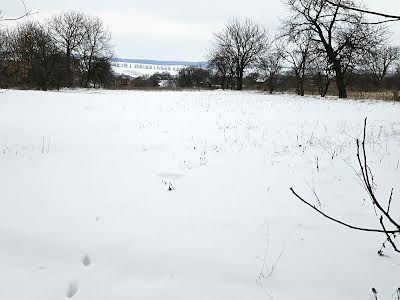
[(68, 30), (243, 42), (95, 47), (342, 35)]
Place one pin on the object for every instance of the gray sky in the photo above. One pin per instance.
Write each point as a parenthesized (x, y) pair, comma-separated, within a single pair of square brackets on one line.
[(174, 29)]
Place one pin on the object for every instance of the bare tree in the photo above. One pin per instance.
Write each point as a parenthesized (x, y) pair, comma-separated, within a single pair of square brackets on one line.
[(297, 53), (4, 79), (322, 73), (242, 42), (341, 35), (222, 66), (68, 31), (380, 61), (192, 76), (42, 55), (47, 56), (32, 54), (270, 68), (96, 45), (22, 49)]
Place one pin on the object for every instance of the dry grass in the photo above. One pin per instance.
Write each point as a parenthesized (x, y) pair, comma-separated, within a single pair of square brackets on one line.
[(381, 95)]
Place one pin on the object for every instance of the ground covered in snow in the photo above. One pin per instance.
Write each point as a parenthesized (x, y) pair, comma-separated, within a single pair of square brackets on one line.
[(185, 195)]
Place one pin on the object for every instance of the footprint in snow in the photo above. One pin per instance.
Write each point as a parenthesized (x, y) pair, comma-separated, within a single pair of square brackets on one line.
[(86, 261), (72, 289)]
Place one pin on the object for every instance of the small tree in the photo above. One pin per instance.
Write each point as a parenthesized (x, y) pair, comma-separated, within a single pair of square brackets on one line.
[(102, 72), (222, 66), (297, 53), (322, 74), (379, 62), (270, 68), (190, 77)]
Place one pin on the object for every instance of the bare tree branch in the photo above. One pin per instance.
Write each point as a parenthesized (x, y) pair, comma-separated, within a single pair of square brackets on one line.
[(339, 221), (366, 177), (394, 17), (27, 12)]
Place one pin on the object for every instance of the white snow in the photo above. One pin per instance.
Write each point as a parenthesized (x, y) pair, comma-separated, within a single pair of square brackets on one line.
[(185, 195)]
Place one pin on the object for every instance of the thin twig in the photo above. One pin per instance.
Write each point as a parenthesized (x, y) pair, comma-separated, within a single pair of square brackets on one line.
[(390, 200), (388, 235)]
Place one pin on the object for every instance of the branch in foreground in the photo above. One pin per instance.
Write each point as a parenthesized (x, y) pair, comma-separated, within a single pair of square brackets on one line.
[(395, 18), (368, 184), (25, 14), (341, 222)]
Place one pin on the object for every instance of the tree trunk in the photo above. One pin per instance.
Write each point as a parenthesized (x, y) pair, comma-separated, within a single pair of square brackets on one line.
[(302, 77), (239, 80), (271, 90), (340, 84), (223, 79), (301, 87), (69, 73), (298, 89), (89, 72), (325, 90)]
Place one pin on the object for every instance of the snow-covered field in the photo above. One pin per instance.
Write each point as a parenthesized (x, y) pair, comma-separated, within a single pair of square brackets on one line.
[(185, 195)]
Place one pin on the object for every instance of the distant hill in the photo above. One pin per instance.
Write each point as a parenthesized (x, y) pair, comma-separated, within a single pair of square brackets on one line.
[(141, 67), (160, 62)]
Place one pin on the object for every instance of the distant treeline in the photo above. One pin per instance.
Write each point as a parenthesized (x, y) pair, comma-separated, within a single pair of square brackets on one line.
[(322, 48), (335, 45), (359, 84), (68, 50)]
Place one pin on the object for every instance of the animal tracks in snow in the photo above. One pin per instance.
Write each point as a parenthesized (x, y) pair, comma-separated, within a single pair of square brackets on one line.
[(72, 289), (86, 261)]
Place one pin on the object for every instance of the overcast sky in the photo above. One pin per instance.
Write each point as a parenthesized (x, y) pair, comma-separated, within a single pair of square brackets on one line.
[(174, 29)]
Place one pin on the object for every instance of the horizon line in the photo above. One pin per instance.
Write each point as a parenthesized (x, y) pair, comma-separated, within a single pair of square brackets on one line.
[(162, 62)]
